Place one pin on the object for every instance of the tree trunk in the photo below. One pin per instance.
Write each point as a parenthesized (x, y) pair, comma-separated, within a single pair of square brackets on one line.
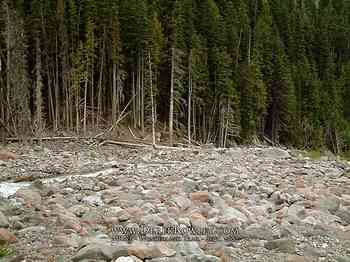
[(133, 99), (57, 112), (138, 92), (77, 111), (142, 96), (92, 95), (152, 100), (38, 89), (85, 101), (189, 100), (171, 110), (99, 98), (114, 95), (8, 65)]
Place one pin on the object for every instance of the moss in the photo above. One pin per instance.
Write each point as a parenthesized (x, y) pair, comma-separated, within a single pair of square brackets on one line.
[(6, 251)]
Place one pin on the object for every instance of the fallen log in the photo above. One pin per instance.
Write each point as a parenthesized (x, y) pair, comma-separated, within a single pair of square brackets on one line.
[(126, 144), (54, 138)]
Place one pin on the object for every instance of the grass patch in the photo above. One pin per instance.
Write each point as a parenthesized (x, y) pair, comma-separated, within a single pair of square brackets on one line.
[(6, 251), (318, 154), (313, 154)]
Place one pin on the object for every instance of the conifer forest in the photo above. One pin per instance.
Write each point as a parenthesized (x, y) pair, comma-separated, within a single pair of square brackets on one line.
[(211, 71)]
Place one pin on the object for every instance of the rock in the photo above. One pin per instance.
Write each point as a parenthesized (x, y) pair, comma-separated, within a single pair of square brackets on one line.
[(148, 250), (79, 210), (128, 259), (314, 252), (168, 259), (296, 258), (189, 185), (344, 215), (94, 200), (3, 220), (343, 259), (152, 219), (258, 231), (330, 203), (6, 237), (93, 251), (101, 251), (274, 153), (181, 201), (231, 214), (30, 196), (188, 248), (295, 213), (282, 245), (6, 155), (66, 241), (203, 258), (35, 230), (202, 196)]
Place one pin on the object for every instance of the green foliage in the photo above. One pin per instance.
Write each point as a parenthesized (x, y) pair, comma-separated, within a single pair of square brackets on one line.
[(269, 68), (6, 251)]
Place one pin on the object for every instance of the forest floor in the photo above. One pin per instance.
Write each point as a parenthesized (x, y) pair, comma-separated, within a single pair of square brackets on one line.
[(76, 201)]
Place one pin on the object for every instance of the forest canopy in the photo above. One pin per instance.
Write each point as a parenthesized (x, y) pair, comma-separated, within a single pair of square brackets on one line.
[(227, 71)]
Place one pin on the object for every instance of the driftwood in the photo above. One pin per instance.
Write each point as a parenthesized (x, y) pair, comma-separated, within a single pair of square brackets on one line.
[(54, 138), (126, 144)]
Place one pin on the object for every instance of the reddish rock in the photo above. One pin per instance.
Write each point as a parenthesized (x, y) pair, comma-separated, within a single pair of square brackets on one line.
[(143, 250), (6, 236), (202, 196), (5, 155), (134, 211)]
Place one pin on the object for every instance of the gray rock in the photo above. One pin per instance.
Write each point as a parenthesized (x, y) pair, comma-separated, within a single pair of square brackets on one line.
[(203, 258), (258, 231), (3, 220), (168, 259), (94, 251), (102, 251), (344, 215), (230, 214), (343, 259), (29, 196), (274, 153), (152, 219), (282, 245), (181, 201), (95, 200), (189, 185), (330, 203), (128, 259), (188, 248)]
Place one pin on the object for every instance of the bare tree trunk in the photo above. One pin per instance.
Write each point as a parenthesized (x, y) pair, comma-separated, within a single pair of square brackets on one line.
[(8, 64), (152, 100), (57, 113), (133, 99), (226, 126), (92, 95), (171, 110), (249, 45), (142, 96), (38, 89), (99, 98), (77, 111), (138, 92), (114, 95), (118, 90), (194, 121), (85, 101), (189, 100)]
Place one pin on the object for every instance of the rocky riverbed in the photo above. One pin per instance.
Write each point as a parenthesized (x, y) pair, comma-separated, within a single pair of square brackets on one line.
[(81, 202)]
